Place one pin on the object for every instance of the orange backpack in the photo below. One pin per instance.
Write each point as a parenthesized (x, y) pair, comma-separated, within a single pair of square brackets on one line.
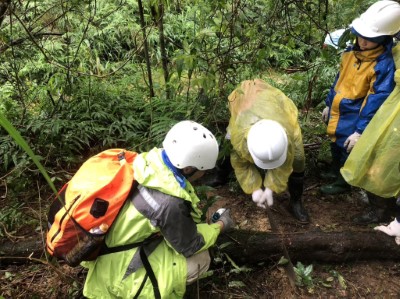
[(88, 204)]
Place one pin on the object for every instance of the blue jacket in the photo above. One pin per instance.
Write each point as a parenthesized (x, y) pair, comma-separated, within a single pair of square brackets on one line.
[(364, 81)]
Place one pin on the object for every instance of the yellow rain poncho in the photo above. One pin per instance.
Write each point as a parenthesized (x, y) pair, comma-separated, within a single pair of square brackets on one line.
[(252, 101), (374, 162)]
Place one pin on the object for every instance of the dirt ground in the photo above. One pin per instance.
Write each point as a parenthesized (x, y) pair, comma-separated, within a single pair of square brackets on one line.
[(359, 279)]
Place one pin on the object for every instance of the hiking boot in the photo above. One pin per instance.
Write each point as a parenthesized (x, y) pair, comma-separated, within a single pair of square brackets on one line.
[(337, 187), (295, 188), (380, 210), (371, 216)]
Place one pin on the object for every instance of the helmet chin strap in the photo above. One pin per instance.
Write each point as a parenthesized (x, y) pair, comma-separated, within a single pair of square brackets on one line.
[(177, 172)]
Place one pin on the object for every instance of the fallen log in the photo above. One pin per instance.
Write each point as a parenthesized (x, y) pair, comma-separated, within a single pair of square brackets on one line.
[(252, 247), (20, 252), (332, 247)]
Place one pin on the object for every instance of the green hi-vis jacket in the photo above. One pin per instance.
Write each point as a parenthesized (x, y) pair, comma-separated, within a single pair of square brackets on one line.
[(252, 101), (159, 205), (364, 81), (374, 162)]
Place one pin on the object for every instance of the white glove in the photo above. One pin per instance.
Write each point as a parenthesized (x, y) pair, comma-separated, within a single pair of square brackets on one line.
[(260, 197), (351, 141), (393, 229), (325, 113), (256, 195), (267, 196), (228, 134)]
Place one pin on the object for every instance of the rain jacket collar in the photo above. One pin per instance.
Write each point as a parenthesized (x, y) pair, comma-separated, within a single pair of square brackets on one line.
[(178, 176)]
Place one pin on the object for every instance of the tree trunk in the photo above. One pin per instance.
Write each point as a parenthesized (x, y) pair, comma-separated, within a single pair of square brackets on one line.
[(159, 19), (250, 247), (146, 48), (336, 247)]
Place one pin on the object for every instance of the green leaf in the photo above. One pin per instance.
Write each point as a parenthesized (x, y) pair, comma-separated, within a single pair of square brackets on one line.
[(226, 244), (308, 270), (283, 261), (231, 261), (342, 281), (207, 274), (22, 143), (236, 284), (327, 285)]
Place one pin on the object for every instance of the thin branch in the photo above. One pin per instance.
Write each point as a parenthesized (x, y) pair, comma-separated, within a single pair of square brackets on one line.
[(31, 37), (30, 258), (22, 40)]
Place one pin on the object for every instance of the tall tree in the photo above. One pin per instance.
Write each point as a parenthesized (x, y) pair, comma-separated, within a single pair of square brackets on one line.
[(146, 48), (159, 20)]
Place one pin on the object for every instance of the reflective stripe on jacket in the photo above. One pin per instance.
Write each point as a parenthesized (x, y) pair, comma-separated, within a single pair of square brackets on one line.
[(158, 206), (364, 81)]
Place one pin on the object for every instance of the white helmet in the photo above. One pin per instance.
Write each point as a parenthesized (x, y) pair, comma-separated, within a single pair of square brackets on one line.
[(267, 143), (381, 18), (190, 144)]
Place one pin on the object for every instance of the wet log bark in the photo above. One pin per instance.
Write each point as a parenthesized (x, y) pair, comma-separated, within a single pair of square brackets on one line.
[(20, 252), (331, 247), (250, 247)]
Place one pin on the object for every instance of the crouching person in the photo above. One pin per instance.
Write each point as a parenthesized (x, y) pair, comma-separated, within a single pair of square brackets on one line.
[(268, 152), (157, 245)]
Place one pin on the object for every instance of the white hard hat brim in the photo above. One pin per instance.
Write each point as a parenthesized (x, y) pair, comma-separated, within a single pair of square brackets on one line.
[(363, 30), (270, 165)]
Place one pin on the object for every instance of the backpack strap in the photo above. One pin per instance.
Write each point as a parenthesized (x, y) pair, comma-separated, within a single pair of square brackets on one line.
[(150, 272), (141, 286), (107, 250), (143, 257)]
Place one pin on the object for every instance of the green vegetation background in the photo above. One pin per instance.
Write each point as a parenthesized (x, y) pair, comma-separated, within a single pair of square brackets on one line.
[(78, 77)]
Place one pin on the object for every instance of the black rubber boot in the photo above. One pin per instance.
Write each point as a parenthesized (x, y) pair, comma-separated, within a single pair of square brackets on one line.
[(333, 172), (380, 210), (337, 187), (296, 187)]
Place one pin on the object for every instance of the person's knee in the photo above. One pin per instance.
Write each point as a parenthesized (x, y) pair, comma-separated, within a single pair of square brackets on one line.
[(197, 265)]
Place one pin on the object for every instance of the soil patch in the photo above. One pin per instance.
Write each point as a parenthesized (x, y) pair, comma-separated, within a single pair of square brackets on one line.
[(358, 279)]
